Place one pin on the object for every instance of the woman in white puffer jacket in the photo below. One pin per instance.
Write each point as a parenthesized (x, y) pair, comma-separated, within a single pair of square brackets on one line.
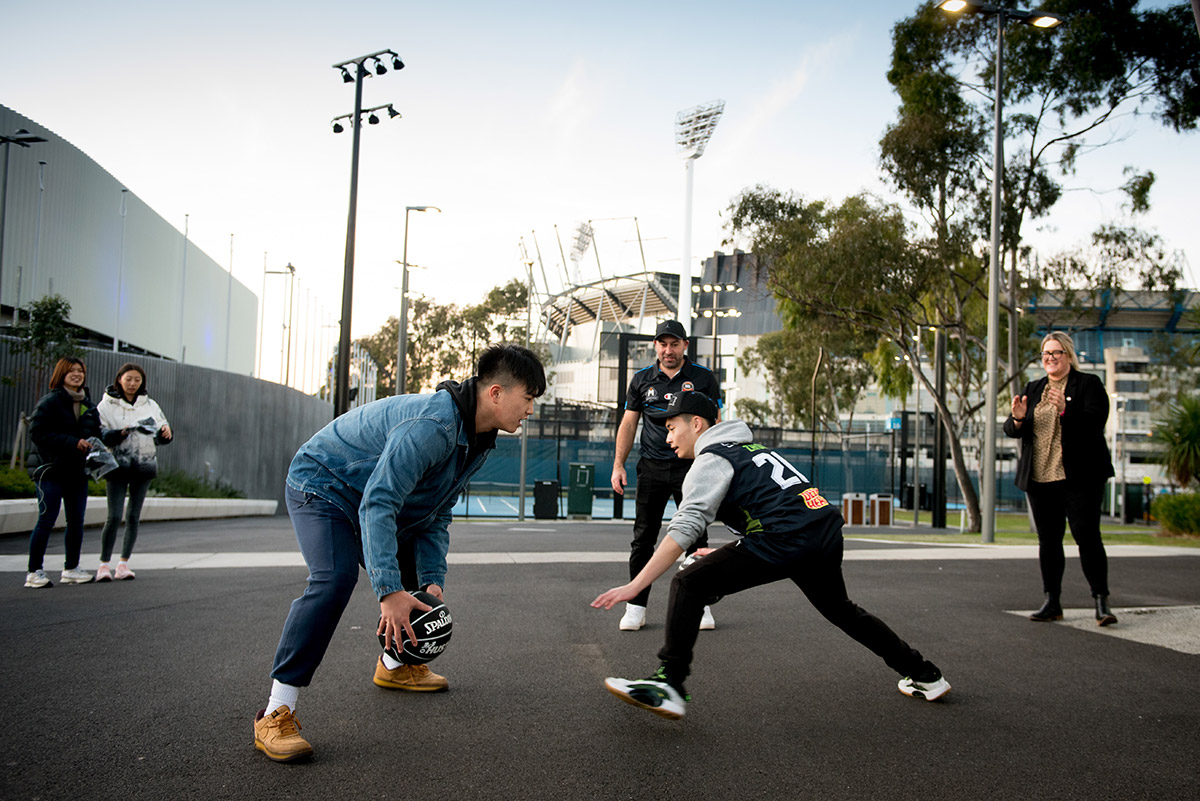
[(132, 426)]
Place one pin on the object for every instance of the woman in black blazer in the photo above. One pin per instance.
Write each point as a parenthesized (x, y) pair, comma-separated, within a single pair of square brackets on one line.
[(1063, 468)]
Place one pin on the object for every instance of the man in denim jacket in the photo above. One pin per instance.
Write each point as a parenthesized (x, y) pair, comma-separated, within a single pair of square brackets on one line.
[(375, 487)]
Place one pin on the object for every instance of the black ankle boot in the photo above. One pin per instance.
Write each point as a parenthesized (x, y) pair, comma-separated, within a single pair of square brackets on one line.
[(1104, 615), (1051, 610)]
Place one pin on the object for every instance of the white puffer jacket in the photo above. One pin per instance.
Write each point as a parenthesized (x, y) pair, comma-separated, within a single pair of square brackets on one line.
[(137, 451)]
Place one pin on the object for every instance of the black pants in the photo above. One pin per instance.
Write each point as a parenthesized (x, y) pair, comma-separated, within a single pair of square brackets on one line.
[(732, 568), (1053, 505), (658, 481)]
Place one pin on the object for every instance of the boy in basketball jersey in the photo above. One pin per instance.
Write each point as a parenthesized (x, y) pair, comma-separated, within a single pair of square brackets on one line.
[(788, 532)]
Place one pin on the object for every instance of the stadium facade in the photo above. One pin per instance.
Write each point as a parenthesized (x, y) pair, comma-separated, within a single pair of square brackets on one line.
[(73, 229)]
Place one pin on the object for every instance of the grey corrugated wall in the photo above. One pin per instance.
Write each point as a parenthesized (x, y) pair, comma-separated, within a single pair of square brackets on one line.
[(230, 427)]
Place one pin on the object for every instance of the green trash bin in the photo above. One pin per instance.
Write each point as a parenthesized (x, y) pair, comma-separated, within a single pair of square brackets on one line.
[(580, 489)]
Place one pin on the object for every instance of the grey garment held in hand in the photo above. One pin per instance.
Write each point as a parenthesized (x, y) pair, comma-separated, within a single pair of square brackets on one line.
[(99, 461)]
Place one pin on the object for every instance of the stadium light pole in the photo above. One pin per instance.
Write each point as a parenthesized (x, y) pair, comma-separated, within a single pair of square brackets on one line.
[(20, 138), (402, 332), (693, 128), (1038, 19), (342, 380)]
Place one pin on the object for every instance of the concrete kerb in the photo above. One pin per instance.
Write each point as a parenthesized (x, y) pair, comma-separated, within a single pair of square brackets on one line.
[(18, 515)]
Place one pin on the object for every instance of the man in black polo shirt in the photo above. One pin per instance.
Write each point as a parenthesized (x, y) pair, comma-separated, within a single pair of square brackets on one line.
[(659, 471)]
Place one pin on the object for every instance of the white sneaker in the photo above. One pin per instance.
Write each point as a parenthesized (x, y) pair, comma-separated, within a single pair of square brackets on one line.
[(76, 575), (634, 618), (655, 694), (38, 579), (930, 690), (707, 623)]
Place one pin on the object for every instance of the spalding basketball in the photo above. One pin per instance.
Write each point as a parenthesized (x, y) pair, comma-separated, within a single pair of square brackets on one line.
[(432, 629)]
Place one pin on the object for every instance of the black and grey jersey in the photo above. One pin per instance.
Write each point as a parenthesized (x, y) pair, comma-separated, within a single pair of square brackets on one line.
[(774, 506)]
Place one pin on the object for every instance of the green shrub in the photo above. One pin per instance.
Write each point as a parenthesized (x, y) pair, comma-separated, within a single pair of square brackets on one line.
[(1178, 514), (178, 484), (16, 484)]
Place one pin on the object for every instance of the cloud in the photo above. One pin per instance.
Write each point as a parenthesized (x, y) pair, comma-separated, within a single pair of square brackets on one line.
[(780, 96)]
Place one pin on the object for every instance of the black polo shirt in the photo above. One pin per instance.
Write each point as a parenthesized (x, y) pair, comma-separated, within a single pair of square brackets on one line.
[(651, 389)]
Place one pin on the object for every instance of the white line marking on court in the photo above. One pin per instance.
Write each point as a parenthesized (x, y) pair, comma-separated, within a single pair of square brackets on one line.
[(17, 563)]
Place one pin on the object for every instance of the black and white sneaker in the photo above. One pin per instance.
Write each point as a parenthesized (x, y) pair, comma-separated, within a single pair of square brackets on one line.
[(930, 687), (656, 694)]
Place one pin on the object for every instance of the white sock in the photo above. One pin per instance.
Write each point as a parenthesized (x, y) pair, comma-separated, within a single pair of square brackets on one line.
[(282, 695), (391, 664)]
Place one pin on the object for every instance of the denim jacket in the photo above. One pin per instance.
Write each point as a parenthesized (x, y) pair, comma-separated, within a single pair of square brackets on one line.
[(396, 467)]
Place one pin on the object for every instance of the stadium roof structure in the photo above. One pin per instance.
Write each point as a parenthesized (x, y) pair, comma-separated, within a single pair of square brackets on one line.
[(1134, 310), (618, 299)]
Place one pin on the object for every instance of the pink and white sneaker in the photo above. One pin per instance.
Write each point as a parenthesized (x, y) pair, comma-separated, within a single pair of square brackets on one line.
[(123, 572), (104, 573)]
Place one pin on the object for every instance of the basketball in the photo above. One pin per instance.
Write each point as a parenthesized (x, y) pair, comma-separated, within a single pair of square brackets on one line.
[(432, 629)]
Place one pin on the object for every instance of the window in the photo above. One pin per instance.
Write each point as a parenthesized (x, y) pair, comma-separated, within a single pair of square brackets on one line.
[(1131, 367), (1133, 386)]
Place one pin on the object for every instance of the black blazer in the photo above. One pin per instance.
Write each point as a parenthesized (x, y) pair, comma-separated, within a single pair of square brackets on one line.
[(1086, 457)]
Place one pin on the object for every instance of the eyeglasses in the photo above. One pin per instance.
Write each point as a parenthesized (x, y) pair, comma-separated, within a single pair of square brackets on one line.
[(1053, 354)]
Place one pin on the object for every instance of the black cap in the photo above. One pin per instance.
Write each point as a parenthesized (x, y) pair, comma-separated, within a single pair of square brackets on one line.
[(696, 403), (670, 328)]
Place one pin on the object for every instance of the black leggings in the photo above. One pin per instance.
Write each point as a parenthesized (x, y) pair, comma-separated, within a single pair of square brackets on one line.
[(732, 569), (1054, 504)]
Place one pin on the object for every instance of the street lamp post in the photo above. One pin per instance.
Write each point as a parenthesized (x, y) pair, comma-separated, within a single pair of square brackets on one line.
[(402, 333), (1038, 19), (120, 273), (289, 270), (21, 138), (693, 128), (1118, 404), (342, 388)]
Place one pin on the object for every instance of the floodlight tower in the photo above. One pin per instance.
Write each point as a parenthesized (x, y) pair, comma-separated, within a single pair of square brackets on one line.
[(693, 128)]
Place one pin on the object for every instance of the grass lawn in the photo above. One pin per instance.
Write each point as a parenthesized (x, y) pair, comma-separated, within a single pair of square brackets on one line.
[(1012, 528)]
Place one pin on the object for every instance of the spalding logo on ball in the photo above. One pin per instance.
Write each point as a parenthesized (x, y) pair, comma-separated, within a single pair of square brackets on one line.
[(432, 629)]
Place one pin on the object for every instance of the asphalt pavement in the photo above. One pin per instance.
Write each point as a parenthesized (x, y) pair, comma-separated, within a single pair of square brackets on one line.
[(147, 689)]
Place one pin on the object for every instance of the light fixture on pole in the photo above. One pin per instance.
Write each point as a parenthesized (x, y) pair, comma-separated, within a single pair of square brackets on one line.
[(402, 333), (987, 478), (21, 138), (342, 381), (693, 128), (714, 313)]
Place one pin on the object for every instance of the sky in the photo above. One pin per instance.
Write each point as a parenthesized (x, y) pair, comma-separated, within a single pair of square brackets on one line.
[(516, 118)]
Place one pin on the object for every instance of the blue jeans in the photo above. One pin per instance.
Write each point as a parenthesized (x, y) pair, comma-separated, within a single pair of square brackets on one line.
[(54, 491), (120, 482), (332, 550)]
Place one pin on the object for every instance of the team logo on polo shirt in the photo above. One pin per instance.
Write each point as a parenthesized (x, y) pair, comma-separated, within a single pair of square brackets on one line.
[(688, 386), (651, 394)]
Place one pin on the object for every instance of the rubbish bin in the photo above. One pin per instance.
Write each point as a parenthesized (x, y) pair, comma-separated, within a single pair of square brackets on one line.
[(1132, 508), (545, 500), (881, 509), (854, 508), (580, 489)]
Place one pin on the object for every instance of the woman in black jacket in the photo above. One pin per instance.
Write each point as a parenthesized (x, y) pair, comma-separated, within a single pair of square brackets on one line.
[(1064, 465), (62, 423)]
